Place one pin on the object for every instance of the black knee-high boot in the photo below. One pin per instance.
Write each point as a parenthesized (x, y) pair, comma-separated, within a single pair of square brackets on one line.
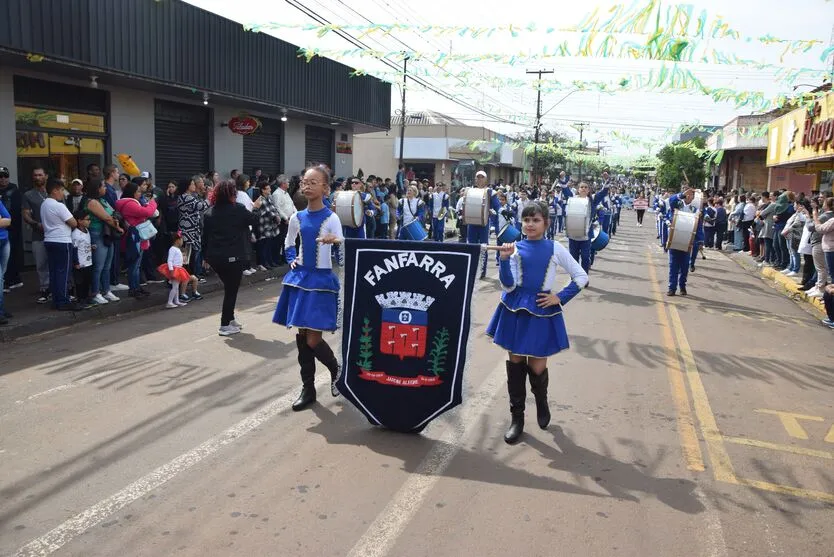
[(307, 361), (538, 384), (325, 355), (517, 389)]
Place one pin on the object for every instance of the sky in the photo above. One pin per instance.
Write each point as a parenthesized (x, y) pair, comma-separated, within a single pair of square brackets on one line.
[(616, 120)]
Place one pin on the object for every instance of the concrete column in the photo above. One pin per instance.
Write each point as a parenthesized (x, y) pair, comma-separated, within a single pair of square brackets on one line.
[(132, 127), (294, 139), (8, 137), (228, 146)]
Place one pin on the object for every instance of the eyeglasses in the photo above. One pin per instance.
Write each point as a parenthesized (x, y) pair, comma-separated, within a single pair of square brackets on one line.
[(355, 182), (310, 182)]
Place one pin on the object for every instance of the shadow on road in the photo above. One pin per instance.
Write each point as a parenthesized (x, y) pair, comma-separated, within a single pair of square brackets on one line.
[(619, 479)]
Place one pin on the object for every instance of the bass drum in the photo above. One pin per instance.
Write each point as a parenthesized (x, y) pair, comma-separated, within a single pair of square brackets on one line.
[(349, 208), (578, 218), (476, 207), (682, 232)]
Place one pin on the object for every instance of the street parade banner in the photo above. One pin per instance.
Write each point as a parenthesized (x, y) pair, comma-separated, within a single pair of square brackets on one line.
[(406, 326)]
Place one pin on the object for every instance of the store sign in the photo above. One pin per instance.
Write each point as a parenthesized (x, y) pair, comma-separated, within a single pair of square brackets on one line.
[(244, 125), (818, 133), (803, 135)]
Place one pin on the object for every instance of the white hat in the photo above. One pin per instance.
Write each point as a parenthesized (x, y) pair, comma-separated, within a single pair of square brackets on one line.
[(480, 173), (145, 175)]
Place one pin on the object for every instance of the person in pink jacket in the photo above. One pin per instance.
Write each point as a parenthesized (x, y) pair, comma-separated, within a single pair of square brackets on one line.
[(134, 214)]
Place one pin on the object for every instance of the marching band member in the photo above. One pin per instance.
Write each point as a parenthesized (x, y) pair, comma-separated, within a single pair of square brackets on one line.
[(582, 248), (700, 236), (367, 201), (663, 209), (480, 234), (679, 260), (505, 216), (439, 209), (522, 203), (528, 321), (309, 299), (459, 214), (411, 209), (559, 201)]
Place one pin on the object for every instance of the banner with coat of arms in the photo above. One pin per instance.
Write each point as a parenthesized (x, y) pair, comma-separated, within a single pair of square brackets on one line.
[(405, 332)]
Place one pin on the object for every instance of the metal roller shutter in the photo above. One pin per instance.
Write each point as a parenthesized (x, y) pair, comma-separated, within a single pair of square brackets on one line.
[(262, 149), (183, 144), (318, 146)]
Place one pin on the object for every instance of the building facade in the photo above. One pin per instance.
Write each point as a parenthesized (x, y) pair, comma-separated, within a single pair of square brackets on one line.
[(440, 149), (83, 81), (739, 161), (801, 143)]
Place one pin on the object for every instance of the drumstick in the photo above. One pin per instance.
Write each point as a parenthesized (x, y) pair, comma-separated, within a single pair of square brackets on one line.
[(335, 241)]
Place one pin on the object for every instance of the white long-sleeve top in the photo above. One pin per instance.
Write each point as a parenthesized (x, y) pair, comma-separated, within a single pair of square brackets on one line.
[(174, 257), (283, 202)]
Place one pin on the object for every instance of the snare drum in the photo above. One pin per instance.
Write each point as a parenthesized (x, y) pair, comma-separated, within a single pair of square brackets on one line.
[(476, 207), (599, 239), (682, 232), (508, 234), (414, 231), (349, 208), (578, 218)]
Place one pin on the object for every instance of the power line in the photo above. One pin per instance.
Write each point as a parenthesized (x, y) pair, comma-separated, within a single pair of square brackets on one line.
[(359, 44)]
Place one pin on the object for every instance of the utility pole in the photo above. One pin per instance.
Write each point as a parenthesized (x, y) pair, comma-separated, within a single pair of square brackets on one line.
[(402, 128), (538, 120), (581, 126)]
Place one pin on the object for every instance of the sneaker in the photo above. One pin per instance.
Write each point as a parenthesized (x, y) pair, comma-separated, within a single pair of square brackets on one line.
[(100, 300), (202, 280), (253, 269), (18, 284), (171, 306), (43, 298), (785, 271), (683, 291), (181, 303), (119, 287), (791, 274), (154, 281), (262, 268), (234, 323), (110, 297), (184, 298), (828, 322), (248, 272), (228, 331), (196, 296), (814, 293), (670, 293), (143, 284)]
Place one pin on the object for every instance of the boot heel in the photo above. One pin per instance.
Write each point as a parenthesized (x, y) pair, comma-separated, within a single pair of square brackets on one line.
[(517, 391)]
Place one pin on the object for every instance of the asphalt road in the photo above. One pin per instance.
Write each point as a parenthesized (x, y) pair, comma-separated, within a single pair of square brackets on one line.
[(698, 426)]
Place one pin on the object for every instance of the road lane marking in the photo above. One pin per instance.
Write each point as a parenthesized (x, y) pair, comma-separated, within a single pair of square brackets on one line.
[(722, 468), (777, 447), (383, 533), (80, 523), (811, 494), (790, 421), (690, 446)]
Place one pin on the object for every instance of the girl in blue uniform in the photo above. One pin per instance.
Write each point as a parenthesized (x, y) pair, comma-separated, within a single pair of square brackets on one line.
[(528, 322), (309, 299)]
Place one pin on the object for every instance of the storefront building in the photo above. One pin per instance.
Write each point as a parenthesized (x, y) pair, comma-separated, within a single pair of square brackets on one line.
[(125, 77), (800, 149), (440, 149)]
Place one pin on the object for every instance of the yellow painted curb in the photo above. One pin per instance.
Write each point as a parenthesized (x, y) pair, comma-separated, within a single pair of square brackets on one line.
[(792, 288)]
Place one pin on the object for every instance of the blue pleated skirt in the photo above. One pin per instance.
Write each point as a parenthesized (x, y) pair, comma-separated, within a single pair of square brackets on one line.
[(309, 300), (522, 333)]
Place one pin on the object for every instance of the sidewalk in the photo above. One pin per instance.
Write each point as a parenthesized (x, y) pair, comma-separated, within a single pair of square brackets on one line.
[(788, 285), (32, 319)]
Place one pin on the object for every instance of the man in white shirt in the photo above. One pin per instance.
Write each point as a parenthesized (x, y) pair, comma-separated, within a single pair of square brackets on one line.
[(286, 209), (58, 223)]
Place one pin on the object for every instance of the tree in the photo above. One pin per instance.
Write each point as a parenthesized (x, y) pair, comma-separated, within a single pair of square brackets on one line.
[(544, 160), (679, 164)]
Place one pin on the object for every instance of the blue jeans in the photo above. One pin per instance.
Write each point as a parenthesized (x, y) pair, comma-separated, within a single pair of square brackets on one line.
[(580, 250), (133, 268), (5, 252), (370, 227), (780, 248), (59, 256), (829, 262), (102, 262), (560, 223), (794, 260), (264, 247)]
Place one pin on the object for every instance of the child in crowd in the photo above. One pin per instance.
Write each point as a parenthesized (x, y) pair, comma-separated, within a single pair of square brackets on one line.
[(176, 274), (82, 258)]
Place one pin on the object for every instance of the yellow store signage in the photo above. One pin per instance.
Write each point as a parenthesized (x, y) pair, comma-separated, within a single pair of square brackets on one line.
[(806, 134)]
